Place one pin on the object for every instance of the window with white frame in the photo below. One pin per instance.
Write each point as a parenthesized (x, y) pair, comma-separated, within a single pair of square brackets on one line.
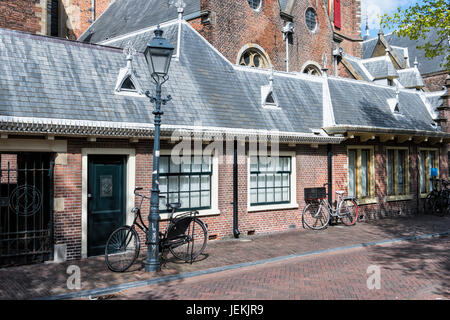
[(270, 180), (188, 182)]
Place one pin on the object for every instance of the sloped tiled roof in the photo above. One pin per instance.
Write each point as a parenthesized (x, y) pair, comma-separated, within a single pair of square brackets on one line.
[(381, 67), (426, 65), (410, 78), (125, 16), (49, 78)]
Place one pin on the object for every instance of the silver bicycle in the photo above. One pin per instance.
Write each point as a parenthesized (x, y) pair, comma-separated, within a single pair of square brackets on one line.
[(318, 212)]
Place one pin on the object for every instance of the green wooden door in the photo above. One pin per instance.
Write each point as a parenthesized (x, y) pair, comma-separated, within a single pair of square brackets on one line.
[(106, 199)]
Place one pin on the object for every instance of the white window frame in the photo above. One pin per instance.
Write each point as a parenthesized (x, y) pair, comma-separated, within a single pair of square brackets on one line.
[(214, 210), (293, 204)]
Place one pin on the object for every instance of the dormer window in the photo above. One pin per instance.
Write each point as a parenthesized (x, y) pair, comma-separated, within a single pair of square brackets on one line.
[(270, 99), (128, 85), (127, 81)]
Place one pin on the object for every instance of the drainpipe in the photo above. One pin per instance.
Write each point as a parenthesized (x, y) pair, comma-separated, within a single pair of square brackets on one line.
[(236, 232), (92, 9), (287, 30), (330, 173)]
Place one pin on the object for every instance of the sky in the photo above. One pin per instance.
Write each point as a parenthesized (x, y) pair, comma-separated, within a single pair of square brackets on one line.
[(373, 9)]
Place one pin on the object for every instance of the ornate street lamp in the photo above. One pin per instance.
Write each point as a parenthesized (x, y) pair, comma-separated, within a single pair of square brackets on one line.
[(158, 55)]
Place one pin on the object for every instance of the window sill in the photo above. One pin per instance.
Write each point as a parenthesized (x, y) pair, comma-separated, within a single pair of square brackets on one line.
[(201, 213), (367, 201), (273, 207), (424, 195), (399, 198)]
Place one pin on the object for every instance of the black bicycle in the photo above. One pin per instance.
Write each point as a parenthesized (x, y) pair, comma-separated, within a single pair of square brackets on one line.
[(441, 205), (185, 237)]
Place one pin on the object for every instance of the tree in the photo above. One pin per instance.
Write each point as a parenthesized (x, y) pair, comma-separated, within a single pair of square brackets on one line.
[(417, 20)]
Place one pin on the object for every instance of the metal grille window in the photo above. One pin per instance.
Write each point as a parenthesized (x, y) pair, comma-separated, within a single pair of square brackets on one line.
[(311, 21), (188, 182), (254, 4), (270, 180)]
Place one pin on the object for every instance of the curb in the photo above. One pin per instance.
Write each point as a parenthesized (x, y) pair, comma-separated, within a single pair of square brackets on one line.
[(137, 284)]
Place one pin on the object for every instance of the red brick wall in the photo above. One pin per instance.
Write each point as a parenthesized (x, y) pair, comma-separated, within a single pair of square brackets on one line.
[(435, 82), (20, 15), (236, 25)]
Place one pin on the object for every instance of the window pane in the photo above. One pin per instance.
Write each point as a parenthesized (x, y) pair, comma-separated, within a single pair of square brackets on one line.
[(206, 199), (364, 177), (174, 168), (270, 181), (195, 199), (390, 172), (195, 183), (278, 180), (162, 184), (197, 164), (173, 197), (285, 180), (253, 196), (163, 165), (253, 164), (173, 184), (278, 194), (270, 195), (352, 173), (206, 182), (422, 172), (184, 199), (261, 181), (261, 195), (432, 164), (253, 180), (401, 171), (186, 165), (184, 183), (286, 194), (206, 165)]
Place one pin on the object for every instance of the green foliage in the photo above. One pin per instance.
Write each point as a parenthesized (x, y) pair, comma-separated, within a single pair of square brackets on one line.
[(417, 20)]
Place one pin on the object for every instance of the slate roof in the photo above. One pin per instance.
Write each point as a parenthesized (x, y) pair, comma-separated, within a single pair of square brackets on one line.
[(125, 16), (380, 67), (357, 103), (426, 65), (49, 78), (358, 67), (410, 78)]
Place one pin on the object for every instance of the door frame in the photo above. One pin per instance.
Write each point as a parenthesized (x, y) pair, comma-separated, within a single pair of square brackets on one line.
[(130, 177)]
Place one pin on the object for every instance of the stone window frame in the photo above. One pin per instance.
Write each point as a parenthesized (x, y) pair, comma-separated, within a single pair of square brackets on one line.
[(255, 49), (312, 65), (316, 26)]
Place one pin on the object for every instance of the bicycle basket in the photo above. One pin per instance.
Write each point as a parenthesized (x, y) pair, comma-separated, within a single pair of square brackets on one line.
[(315, 193)]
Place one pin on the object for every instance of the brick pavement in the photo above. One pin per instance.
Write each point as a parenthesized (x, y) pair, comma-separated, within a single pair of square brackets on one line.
[(409, 270), (43, 280)]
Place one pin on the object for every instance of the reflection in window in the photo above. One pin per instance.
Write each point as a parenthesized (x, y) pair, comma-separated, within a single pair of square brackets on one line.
[(188, 182)]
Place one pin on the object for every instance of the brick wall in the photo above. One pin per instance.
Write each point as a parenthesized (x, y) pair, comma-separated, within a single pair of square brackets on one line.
[(435, 82), (23, 15), (235, 25)]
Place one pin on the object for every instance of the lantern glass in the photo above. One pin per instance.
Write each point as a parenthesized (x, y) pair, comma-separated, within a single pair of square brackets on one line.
[(159, 54)]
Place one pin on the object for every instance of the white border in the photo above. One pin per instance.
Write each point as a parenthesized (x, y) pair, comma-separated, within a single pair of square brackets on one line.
[(293, 204)]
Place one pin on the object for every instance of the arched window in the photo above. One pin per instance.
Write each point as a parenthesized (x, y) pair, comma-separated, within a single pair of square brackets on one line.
[(312, 70), (255, 4), (253, 57)]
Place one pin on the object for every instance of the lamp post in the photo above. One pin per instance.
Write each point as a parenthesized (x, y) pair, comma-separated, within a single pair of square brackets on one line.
[(158, 55)]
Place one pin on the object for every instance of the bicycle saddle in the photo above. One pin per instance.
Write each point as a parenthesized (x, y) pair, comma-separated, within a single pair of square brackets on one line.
[(175, 205), (340, 192)]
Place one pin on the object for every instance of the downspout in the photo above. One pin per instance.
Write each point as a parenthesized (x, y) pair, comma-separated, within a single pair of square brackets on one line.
[(92, 9), (330, 172), (236, 232)]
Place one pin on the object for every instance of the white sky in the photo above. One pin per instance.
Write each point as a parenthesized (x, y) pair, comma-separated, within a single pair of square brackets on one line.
[(376, 8)]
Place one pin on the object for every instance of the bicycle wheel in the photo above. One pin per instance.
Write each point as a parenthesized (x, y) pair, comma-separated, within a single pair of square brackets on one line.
[(440, 205), (122, 249), (315, 216), (187, 238), (348, 212), (429, 203)]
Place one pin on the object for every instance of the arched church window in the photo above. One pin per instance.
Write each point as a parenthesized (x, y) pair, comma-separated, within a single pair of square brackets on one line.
[(254, 58), (255, 4), (312, 70)]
